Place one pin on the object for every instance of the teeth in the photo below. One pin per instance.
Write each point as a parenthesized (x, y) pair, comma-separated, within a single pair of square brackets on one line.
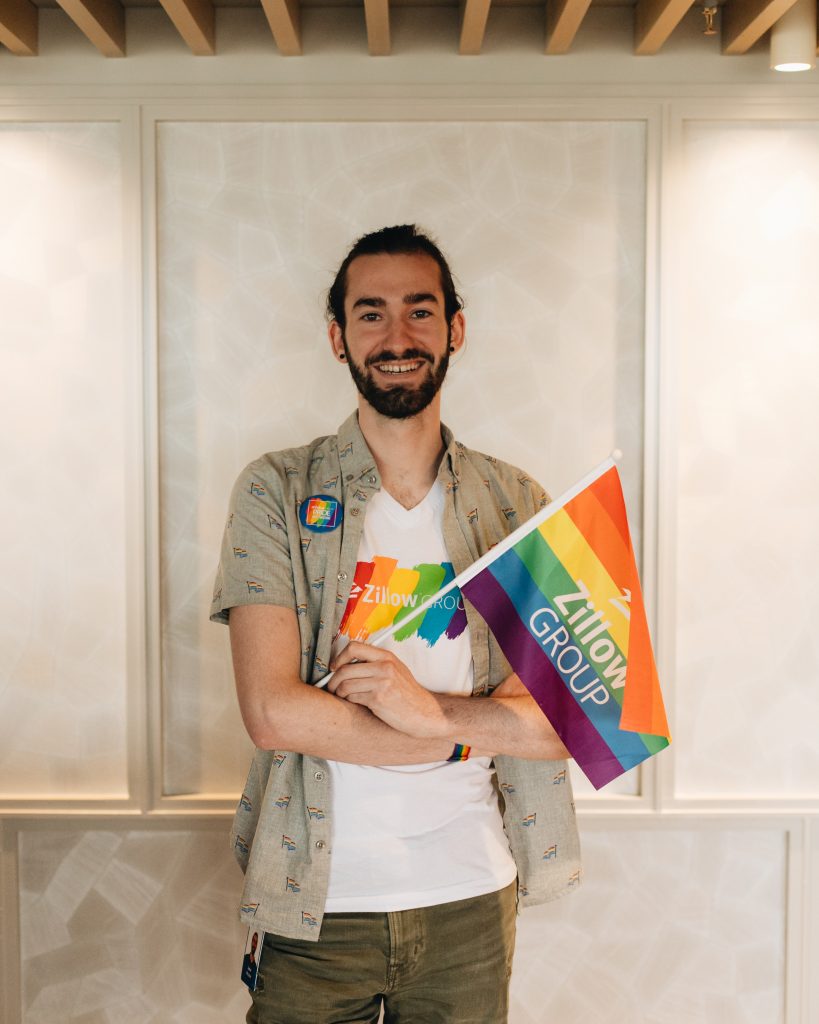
[(398, 367)]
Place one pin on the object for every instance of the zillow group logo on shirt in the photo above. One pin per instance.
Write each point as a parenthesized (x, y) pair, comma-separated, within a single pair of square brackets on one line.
[(383, 593)]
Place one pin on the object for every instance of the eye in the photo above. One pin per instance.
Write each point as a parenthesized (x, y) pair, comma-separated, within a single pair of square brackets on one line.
[(421, 314), (370, 317)]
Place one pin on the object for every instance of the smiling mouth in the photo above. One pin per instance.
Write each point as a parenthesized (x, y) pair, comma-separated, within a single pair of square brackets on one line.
[(397, 368)]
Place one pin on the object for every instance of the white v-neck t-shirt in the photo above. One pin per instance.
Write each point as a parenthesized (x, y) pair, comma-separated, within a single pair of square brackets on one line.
[(413, 835)]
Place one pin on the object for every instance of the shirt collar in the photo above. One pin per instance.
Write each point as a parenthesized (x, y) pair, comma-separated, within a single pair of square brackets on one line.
[(355, 457), (451, 462), (357, 460)]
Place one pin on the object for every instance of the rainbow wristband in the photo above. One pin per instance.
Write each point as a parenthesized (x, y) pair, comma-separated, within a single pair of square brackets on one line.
[(460, 753)]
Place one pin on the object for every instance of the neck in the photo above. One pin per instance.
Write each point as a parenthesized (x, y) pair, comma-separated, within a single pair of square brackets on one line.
[(406, 452)]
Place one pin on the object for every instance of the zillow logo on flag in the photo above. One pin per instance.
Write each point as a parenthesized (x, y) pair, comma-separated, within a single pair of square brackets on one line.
[(589, 644)]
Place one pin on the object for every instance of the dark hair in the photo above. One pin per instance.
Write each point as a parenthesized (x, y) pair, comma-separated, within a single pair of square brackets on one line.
[(403, 239)]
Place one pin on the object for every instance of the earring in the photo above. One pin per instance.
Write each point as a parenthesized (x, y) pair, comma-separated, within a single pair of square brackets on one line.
[(341, 357), (451, 348)]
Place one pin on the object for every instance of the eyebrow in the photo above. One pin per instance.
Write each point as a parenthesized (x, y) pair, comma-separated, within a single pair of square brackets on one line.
[(410, 300)]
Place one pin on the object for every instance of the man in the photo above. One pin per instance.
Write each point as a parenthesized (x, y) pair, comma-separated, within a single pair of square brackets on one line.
[(370, 829)]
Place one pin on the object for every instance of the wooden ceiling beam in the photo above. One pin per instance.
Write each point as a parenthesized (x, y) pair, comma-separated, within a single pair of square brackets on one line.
[(563, 19), (655, 20), (283, 17), (102, 21), (194, 20), (377, 16), (18, 27), (474, 15), (746, 21)]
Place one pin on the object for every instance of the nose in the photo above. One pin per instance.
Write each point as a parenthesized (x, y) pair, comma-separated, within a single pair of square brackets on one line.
[(396, 335)]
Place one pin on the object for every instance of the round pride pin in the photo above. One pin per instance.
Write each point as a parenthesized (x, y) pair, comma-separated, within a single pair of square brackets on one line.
[(320, 513)]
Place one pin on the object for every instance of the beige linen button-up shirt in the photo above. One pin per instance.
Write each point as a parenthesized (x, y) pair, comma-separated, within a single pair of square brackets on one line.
[(282, 830)]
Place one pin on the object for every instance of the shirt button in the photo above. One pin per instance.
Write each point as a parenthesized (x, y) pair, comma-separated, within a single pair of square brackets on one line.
[(320, 844), (348, 477), (355, 511), (371, 480), (319, 776), (342, 576)]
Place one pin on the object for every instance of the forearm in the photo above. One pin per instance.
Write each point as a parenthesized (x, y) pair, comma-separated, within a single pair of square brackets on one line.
[(508, 722), (314, 722), (281, 712), (504, 724)]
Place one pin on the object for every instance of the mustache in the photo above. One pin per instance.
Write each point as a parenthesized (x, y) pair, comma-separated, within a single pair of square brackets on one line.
[(392, 357)]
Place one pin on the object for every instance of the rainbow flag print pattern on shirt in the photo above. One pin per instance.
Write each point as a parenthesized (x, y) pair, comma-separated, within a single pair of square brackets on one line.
[(565, 605), (384, 594)]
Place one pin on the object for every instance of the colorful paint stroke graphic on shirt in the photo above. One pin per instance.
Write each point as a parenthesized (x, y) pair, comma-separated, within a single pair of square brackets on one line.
[(384, 594), (565, 605)]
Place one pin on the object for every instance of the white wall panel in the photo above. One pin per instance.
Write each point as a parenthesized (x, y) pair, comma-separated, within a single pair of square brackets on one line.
[(64, 457), (544, 224), (748, 558), (130, 927), (669, 927)]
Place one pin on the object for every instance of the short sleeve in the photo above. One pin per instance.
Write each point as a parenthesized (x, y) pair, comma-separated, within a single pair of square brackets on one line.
[(540, 496), (255, 565), (531, 496)]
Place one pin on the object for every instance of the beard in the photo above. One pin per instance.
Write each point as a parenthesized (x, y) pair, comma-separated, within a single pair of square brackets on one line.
[(397, 401)]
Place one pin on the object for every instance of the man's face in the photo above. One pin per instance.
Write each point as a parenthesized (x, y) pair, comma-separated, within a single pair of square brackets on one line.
[(397, 337)]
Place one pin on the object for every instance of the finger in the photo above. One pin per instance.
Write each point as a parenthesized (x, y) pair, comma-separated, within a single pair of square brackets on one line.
[(510, 687), (353, 670), (359, 691), (358, 651), (364, 700), (371, 687), (342, 658)]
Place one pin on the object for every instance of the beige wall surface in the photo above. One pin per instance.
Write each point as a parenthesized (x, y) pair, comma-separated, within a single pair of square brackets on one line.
[(636, 240), (748, 450), (63, 449)]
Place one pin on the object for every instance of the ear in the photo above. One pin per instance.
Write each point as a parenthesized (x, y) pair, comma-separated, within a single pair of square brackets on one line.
[(457, 331), (335, 334)]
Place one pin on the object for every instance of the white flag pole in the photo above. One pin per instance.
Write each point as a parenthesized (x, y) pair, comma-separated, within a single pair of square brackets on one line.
[(500, 548)]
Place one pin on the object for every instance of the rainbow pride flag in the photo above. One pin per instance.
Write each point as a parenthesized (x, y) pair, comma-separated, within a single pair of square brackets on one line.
[(563, 598)]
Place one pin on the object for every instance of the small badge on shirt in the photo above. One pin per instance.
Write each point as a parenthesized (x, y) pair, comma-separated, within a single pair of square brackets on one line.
[(252, 957), (320, 513)]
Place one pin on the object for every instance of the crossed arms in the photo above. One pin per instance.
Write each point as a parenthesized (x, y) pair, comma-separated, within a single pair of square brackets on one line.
[(376, 712)]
